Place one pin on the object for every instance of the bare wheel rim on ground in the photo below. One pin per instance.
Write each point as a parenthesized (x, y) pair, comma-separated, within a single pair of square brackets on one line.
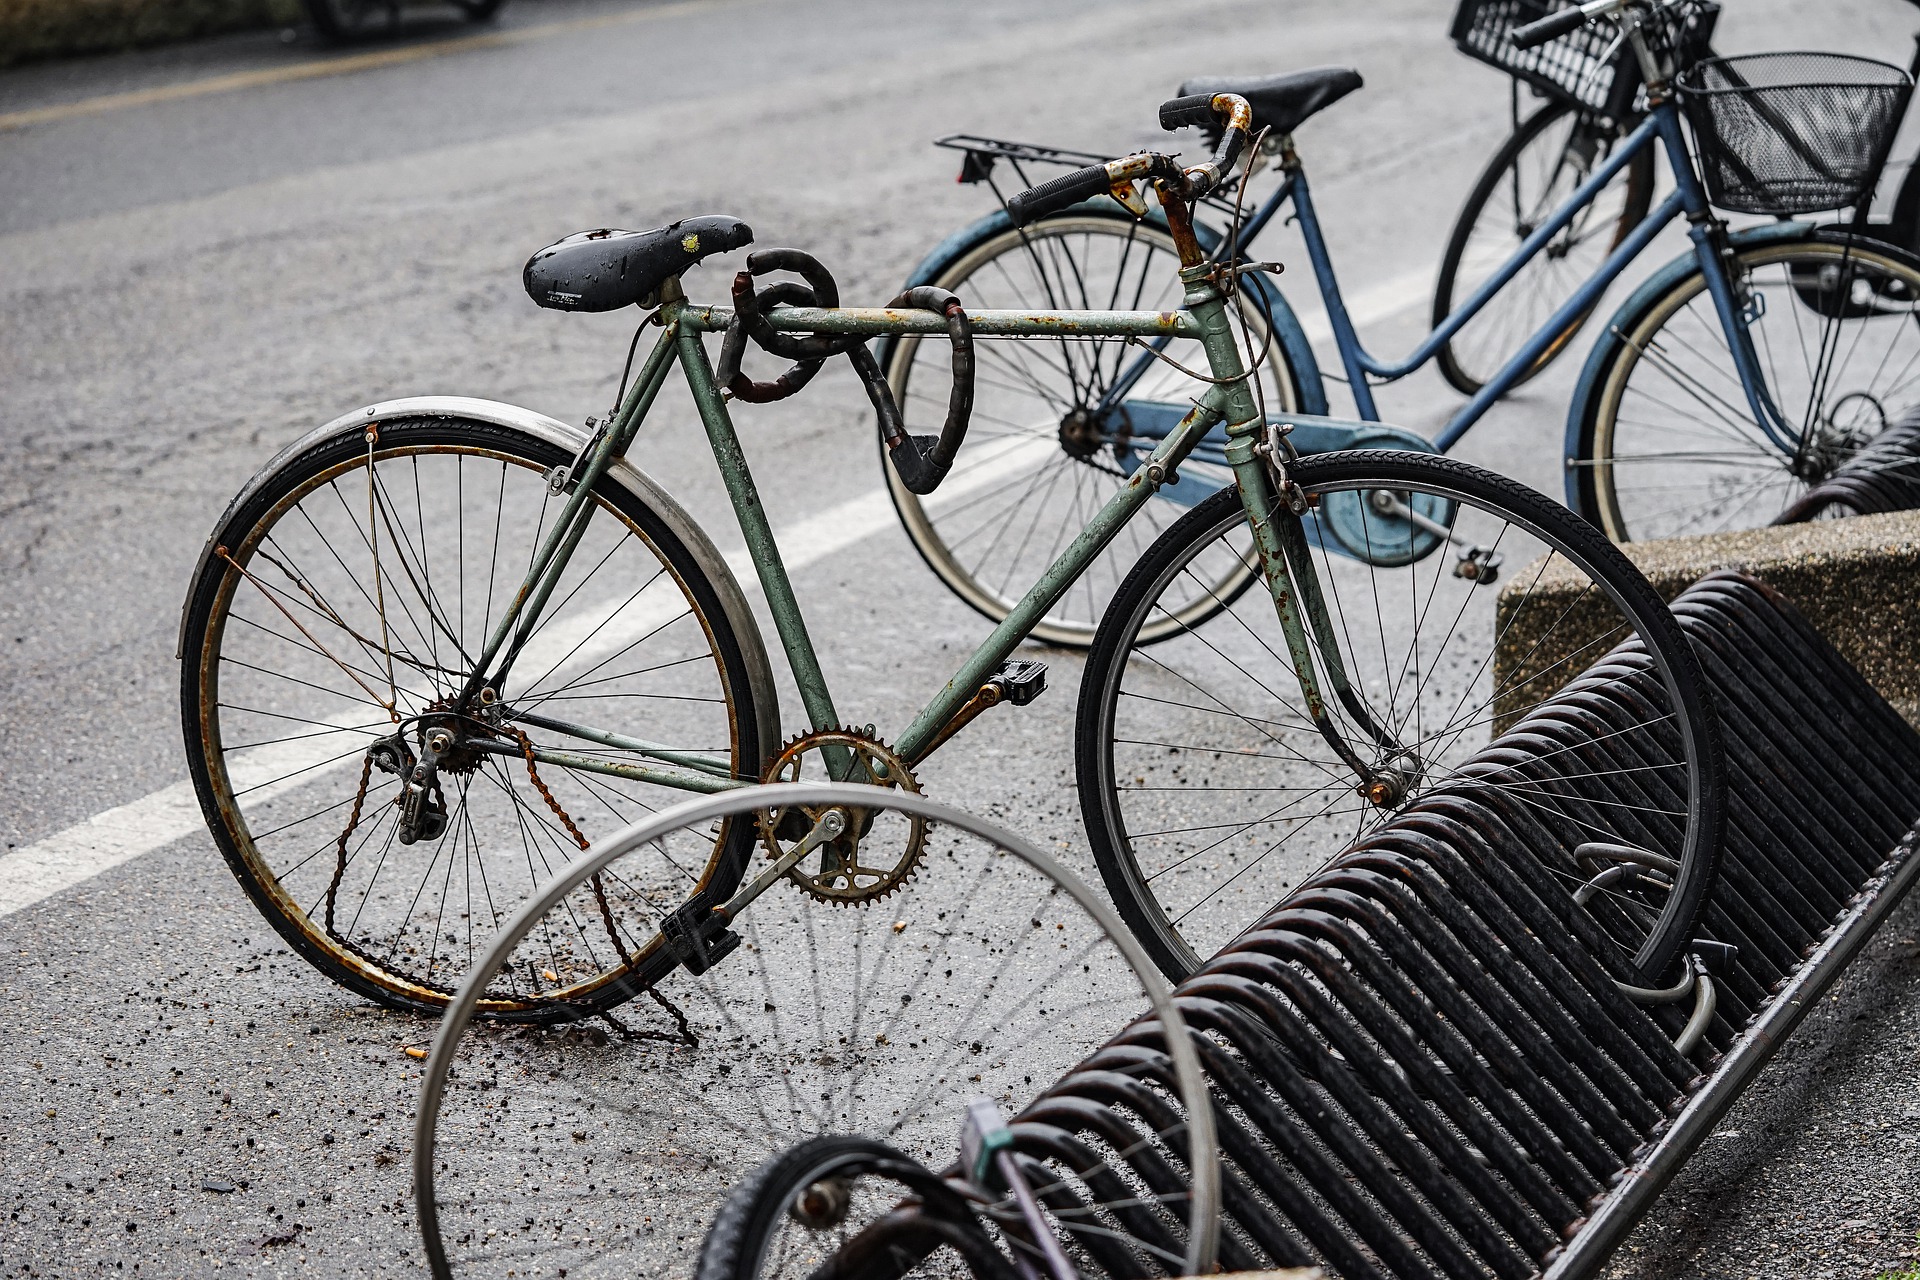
[(1037, 464), (608, 1149)]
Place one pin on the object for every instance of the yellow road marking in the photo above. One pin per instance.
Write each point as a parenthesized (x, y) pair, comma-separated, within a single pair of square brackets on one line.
[(332, 66)]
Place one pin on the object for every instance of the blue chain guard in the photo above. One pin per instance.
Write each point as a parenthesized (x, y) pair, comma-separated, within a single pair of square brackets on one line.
[(1342, 523)]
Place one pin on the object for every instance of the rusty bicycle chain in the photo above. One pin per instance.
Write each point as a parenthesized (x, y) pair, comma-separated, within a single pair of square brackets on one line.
[(340, 848), (599, 890), (599, 894), (575, 1008)]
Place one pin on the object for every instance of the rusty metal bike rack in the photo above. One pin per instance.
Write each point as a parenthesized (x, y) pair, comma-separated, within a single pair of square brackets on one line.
[(1422, 1062)]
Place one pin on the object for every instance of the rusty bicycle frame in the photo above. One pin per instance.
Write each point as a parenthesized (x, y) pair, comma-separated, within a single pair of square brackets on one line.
[(1256, 451)]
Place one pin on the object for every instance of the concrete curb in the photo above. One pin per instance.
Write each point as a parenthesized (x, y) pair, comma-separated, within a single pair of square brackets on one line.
[(1856, 580)]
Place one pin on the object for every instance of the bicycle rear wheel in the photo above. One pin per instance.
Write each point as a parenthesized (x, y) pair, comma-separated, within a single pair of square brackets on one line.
[(1668, 444), (1208, 791), (328, 635), (1049, 442), (1545, 160)]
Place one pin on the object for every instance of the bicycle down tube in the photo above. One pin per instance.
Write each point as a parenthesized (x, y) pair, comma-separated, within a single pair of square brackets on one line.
[(692, 321), (1228, 399)]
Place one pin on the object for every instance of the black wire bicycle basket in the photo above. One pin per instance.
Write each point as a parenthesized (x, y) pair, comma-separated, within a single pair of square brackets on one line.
[(1590, 67), (1791, 133)]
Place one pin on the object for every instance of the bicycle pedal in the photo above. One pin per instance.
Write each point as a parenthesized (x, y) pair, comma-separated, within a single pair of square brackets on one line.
[(1022, 680), (695, 938)]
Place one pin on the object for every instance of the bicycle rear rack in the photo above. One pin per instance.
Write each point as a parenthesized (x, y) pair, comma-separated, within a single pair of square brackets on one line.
[(1421, 1070)]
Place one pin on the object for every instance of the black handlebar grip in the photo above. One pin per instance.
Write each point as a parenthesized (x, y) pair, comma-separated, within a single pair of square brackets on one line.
[(1195, 109), (1060, 193), (1551, 27)]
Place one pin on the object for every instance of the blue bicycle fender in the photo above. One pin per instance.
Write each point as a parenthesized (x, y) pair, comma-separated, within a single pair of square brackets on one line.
[(1280, 315), (1606, 347)]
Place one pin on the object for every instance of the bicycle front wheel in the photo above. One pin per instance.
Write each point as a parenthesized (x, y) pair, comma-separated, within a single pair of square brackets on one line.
[(1552, 152), (1059, 426), (328, 638), (1208, 790), (1668, 443)]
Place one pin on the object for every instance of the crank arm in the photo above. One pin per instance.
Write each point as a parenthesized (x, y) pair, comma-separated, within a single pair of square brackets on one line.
[(831, 824)]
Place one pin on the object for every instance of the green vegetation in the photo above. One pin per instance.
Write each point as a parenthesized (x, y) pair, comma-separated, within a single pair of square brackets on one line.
[(31, 29), (1909, 1272)]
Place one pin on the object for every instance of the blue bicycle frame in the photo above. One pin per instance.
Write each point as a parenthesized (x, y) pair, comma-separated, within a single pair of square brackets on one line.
[(1660, 127)]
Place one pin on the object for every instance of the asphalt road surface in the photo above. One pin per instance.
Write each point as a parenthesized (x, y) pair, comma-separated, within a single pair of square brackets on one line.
[(211, 248)]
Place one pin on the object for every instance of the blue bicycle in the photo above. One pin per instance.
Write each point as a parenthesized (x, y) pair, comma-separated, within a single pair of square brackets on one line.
[(1735, 377)]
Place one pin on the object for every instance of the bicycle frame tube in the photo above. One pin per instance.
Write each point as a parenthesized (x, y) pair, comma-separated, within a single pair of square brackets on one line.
[(1661, 127), (1228, 399), (550, 560), (1159, 469), (1570, 311), (1131, 375), (692, 321), (752, 517), (1360, 364), (1707, 240)]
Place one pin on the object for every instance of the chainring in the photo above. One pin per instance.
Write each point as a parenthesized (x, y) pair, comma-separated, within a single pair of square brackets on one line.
[(835, 872)]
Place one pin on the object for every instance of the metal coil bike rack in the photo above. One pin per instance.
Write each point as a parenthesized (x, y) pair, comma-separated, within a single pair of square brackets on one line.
[(1884, 475), (1420, 1069)]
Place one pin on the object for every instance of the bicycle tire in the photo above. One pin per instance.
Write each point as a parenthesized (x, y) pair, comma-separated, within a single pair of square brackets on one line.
[(737, 1245), (1467, 373), (996, 490), (260, 857), (1665, 443), (1183, 902)]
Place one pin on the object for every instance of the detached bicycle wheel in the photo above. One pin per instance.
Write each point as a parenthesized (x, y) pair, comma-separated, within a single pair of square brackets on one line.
[(1669, 444), (1554, 150), (326, 642), (979, 970), (1459, 604), (1052, 439)]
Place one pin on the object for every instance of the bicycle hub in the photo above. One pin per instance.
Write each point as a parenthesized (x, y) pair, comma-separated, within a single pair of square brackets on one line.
[(1393, 781)]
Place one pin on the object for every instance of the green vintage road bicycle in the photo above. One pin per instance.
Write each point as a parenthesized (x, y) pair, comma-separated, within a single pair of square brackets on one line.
[(437, 644)]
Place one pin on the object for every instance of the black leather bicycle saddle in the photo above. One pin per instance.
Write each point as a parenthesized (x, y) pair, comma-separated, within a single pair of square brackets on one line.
[(1282, 103), (607, 269)]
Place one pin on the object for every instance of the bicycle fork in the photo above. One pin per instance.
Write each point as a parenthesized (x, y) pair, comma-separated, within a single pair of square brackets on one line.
[(1275, 508)]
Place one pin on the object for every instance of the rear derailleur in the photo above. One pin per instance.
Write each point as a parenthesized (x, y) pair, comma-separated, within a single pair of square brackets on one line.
[(423, 808)]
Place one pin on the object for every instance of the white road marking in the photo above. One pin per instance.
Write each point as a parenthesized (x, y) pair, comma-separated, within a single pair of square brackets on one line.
[(106, 840), (1374, 305), (331, 66)]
